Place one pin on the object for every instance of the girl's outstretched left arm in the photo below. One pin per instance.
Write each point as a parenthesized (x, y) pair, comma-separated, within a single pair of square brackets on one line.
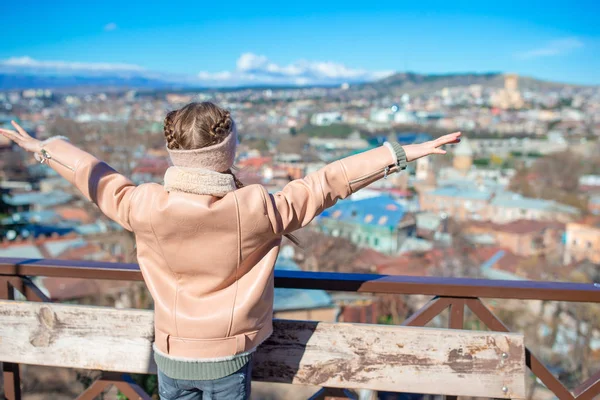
[(302, 199), (97, 181)]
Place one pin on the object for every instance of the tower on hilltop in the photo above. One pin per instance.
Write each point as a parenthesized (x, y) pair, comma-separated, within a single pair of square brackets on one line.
[(511, 82), (463, 156), (423, 168), (508, 97)]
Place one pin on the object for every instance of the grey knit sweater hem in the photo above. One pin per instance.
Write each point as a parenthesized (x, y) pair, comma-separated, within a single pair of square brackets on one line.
[(199, 370)]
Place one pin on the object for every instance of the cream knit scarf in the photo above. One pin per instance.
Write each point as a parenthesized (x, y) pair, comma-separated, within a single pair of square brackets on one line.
[(199, 171), (198, 181)]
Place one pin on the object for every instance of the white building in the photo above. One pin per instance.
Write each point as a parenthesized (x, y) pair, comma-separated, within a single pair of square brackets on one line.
[(326, 118), (404, 117), (352, 142), (503, 147), (382, 115)]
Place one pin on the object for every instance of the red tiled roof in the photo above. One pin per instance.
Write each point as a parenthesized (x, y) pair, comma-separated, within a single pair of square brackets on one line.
[(413, 263), (158, 152), (79, 253), (255, 162), (509, 262), (527, 226), (519, 227), (371, 257), (155, 166), (74, 214), (420, 263), (590, 220)]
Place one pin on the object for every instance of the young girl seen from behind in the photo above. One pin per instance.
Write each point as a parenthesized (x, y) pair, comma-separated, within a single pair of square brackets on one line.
[(207, 245)]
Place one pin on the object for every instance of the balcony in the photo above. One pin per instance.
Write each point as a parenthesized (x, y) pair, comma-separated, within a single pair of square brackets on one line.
[(340, 358)]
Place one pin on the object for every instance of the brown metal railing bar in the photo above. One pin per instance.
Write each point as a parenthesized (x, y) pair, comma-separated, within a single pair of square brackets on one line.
[(34, 293), (551, 382), (15, 283), (70, 269), (130, 389), (27, 288), (12, 381), (587, 383), (5, 288), (591, 393), (367, 283), (436, 286), (94, 390), (428, 312), (457, 314), (589, 389), (132, 393), (492, 322), (125, 384)]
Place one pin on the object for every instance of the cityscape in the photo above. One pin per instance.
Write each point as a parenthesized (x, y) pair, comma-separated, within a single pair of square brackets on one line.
[(517, 199), (473, 273)]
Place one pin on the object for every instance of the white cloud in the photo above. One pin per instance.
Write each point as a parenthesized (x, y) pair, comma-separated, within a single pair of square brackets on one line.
[(28, 62), (221, 76), (249, 61), (250, 69), (110, 27), (253, 68), (553, 48)]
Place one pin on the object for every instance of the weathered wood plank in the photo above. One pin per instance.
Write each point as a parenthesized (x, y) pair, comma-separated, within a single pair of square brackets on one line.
[(385, 358), (98, 338)]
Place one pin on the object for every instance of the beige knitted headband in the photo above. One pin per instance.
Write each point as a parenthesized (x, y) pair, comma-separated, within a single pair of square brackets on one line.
[(218, 157)]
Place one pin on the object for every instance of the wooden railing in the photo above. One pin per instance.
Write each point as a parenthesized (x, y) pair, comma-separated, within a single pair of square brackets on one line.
[(453, 293), (332, 355)]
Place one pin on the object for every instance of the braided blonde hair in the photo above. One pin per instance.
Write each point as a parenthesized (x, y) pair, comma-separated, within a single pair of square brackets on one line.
[(199, 125)]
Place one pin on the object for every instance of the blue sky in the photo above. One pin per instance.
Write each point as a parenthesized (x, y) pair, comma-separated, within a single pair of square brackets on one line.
[(555, 40)]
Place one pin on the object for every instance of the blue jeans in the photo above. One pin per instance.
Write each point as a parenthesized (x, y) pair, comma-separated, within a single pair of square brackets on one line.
[(233, 387)]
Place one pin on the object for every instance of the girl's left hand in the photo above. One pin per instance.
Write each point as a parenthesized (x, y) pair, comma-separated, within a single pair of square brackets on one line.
[(416, 151), (22, 138)]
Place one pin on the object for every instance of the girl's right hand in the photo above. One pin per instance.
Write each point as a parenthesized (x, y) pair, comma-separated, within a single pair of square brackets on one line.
[(22, 138)]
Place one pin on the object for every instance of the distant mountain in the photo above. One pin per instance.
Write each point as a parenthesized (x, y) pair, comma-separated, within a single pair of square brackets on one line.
[(83, 78), (26, 81), (413, 83), (73, 77)]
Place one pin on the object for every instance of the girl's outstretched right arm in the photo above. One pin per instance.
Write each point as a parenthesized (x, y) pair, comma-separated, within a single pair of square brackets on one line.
[(303, 199), (96, 180)]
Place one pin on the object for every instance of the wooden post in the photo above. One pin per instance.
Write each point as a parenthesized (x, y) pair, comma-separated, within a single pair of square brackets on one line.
[(457, 314), (10, 371)]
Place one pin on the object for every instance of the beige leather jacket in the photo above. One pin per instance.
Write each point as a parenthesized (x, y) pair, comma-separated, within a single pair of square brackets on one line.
[(207, 261)]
